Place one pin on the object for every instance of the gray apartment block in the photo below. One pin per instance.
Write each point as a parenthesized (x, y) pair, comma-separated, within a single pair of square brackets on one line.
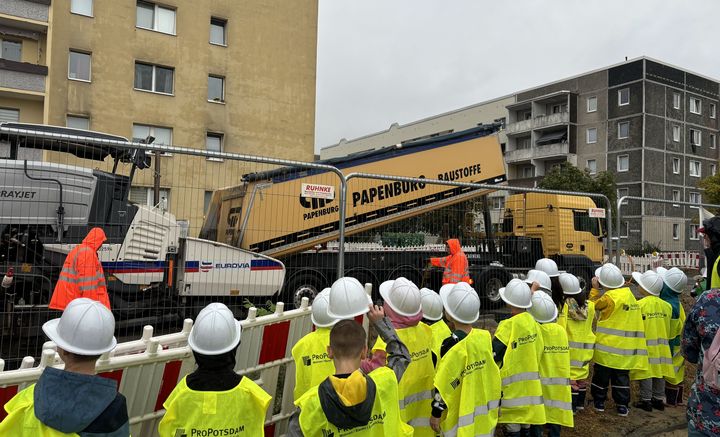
[(651, 124)]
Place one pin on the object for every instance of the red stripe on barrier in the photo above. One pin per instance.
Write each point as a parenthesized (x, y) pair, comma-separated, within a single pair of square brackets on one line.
[(115, 375), (274, 342), (270, 430), (169, 381), (6, 393)]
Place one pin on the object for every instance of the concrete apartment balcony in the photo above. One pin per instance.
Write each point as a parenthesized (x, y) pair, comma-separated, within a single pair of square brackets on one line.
[(24, 77), (34, 10), (525, 182), (545, 151), (540, 122)]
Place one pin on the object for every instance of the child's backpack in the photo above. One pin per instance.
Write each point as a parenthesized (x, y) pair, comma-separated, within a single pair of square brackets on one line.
[(711, 363)]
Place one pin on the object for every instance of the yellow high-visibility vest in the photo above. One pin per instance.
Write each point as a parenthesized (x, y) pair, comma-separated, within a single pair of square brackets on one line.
[(440, 331), (21, 420), (656, 318), (620, 338), (312, 364), (384, 419), (522, 400), (714, 277), (469, 382), (416, 384), (676, 328), (581, 339), (555, 375), (238, 411)]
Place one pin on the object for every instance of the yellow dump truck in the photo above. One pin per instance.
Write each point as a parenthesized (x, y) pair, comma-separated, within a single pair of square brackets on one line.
[(291, 214)]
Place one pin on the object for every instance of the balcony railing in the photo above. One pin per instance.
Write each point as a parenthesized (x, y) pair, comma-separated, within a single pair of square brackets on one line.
[(540, 122), (537, 152), (37, 10)]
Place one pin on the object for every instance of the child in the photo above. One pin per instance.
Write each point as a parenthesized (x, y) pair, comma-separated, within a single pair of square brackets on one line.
[(202, 399), (404, 309), (432, 309), (312, 364), (674, 283), (620, 339), (550, 267), (518, 347), (467, 381), (577, 318), (554, 367), (656, 318)]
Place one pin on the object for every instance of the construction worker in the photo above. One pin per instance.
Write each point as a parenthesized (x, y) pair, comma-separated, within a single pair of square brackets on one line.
[(467, 381), (551, 269), (577, 318), (351, 403), (656, 318), (82, 274), (202, 400), (674, 282), (554, 367), (517, 348), (620, 339), (455, 264), (72, 401), (403, 306), (432, 308), (710, 230), (312, 363)]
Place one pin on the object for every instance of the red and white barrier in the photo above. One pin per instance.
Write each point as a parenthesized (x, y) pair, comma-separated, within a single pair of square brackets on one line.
[(681, 260)]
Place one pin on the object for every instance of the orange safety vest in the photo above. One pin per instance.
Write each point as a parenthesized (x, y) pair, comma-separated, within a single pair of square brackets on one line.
[(82, 274), (456, 264)]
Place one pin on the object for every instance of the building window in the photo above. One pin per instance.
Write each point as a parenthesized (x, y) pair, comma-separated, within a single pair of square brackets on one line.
[(9, 115), (214, 143), (153, 17), (676, 197), (217, 31), (676, 100), (695, 198), (713, 141), (216, 89), (712, 110), (624, 97), (676, 231), (591, 165), (527, 171), (676, 133), (592, 104), (497, 202), (82, 7), (676, 165), (591, 135), (623, 163), (77, 122), (207, 200), (11, 50), (162, 135), (623, 129), (525, 115), (695, 105), (622, 192), (713, 169), (695, 169), (523, 143), (694, 232), (79, 66), (154, 78), (146, 196), (695, 137)]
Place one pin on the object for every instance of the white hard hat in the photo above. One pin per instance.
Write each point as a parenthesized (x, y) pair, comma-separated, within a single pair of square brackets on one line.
[(610, 276), (432, 305), (661, 271), (461, 302), (319, 315), (541, 278), (676, 280), (543, 308), (548, 266), (86, 327), (570, 284), (347, 299), (649, 281), (215, 330), (402, 295), (516, 293)]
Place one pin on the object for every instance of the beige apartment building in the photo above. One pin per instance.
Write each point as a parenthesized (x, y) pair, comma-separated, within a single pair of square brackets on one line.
[(220, 75)]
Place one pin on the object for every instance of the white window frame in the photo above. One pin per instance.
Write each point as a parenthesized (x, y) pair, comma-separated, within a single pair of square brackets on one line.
[(677, 165), (618, 129), (695, 103), (713, 110), (676, 231), (80, 52), (713, 169), (222, 143), (525, 167), (224, 21), (588, 106), (676, 133), (150, 195), (151, 132), (619, 157), (620, 91), (78, 6), (676, 198), (695, 164), (622, 192), (677, 99), (694, 232), (626, 229), (77, 117), (587, 166), (713, 141), (697, 196), (222, 97), (699, 137), (587, 135), (156, 18), (154, 75)]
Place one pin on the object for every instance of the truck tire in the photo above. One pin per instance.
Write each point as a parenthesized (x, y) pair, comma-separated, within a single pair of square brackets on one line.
[(301, 285), (489, 285)]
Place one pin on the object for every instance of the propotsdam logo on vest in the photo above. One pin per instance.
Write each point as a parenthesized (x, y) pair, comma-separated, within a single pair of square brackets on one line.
[(521, 341), (418, 355), (556, 349), (655, 315), (210, 432), (472, 367), (455, 383), (375, 419), (631, 307), (309, 360)]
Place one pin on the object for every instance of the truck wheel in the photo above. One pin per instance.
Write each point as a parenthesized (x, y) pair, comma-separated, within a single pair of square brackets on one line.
[(302, 285), (490, 285)]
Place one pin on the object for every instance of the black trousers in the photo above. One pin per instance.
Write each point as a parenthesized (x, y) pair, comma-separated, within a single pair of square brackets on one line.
[(619, 380)]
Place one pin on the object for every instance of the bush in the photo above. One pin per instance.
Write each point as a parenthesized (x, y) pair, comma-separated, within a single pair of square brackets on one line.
[(402, 239), (647, 248)]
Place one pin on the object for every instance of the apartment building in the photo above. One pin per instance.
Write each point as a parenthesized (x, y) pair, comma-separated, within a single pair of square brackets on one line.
[(652, 124), (219, 75)]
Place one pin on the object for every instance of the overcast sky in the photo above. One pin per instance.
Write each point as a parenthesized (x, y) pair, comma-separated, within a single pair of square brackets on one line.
[(381, 62)]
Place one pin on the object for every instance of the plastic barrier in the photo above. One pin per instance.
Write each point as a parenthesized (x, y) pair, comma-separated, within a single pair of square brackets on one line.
[(681, 260)]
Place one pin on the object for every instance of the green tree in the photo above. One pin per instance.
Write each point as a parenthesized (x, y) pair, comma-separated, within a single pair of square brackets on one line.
[(567, 177), (711, 185)]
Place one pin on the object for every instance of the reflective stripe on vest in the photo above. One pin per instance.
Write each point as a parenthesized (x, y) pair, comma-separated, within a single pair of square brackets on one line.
[(621, 333), (521, 401), (554, 375), (469, 382), (312, 364), (525, 376), (620, 337), (618, 351), (71, 285), (576, 345)]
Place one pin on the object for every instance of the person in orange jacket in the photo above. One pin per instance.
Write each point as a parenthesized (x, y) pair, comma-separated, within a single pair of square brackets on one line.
[(455, 265), (82, 274)]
